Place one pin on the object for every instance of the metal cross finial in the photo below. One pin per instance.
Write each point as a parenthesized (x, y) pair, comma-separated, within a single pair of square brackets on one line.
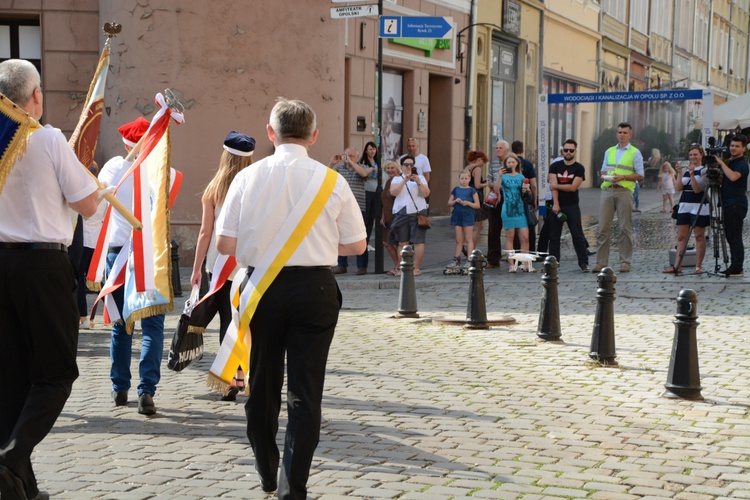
[(112, 29), (173, 102)]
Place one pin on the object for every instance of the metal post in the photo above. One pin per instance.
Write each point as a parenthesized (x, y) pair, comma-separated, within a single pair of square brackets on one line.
[(379, 253), (407, 294), (476, 311), (684, 378), (603, 336), (176, 283), (549, 315)]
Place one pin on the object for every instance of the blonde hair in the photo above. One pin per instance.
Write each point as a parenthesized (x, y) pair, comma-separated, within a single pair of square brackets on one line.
[(229, 166), (518, 162), (465, 171), (666, 168)]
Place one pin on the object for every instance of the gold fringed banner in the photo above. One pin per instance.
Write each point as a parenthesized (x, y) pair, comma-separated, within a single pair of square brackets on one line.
[(15, 126)]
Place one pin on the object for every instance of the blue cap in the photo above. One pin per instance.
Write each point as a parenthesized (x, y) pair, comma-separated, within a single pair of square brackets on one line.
[(239, 144)]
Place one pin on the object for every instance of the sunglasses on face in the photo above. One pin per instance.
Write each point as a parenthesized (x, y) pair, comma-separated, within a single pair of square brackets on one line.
[(569, 150), (407, 165)]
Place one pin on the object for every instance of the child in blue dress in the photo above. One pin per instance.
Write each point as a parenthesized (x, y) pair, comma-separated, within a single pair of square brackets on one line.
[(513, 213), (465, 200)]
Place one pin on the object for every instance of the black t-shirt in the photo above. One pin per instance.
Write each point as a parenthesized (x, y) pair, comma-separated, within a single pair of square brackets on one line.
[(566, 174), (733, 193)]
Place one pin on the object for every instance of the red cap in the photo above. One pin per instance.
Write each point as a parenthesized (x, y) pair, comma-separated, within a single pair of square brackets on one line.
[(132, 132)]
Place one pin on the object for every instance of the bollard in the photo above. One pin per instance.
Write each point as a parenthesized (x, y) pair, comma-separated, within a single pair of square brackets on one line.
[(407, 294), (476, 310), (684, 378), (176, 283), (549, 315), (603, 336)]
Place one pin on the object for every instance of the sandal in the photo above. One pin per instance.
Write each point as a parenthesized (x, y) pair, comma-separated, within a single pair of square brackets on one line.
[(672, 270), (417, 272), (231, 394), (698, 270)]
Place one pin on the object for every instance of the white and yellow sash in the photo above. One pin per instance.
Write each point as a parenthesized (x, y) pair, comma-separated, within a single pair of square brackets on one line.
[(235, 349)]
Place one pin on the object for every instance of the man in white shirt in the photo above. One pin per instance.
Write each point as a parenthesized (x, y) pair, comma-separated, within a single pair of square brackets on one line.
[(39, 316), (297, 314), (421, 162)]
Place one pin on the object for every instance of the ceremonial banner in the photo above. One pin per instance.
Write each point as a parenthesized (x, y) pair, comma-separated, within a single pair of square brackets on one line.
[(15, 126), (147, 281), (235, 349), (86, 134)]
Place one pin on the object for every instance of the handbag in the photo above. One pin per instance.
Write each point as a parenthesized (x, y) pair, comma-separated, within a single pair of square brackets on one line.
[(423, 220), (675, 210), (187, 344), (491, 199), (531, 218)]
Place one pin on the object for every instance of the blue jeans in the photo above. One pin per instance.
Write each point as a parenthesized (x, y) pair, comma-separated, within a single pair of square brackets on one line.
[(362, 260), (121, 348)]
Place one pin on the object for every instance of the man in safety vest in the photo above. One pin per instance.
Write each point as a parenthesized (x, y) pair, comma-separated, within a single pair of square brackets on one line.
[(622, 167)]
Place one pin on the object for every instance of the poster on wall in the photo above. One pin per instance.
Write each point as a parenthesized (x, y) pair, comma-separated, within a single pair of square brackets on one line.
[(393, 109)]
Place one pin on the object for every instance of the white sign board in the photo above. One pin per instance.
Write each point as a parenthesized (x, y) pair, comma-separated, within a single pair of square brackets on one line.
[(354, 11)]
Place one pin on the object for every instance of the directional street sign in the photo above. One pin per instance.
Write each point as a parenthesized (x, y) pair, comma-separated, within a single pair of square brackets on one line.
[(415, 27), (354, 11)]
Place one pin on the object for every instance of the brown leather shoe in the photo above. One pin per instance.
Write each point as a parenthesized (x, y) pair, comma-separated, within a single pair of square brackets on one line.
[(624, 268), (361, 271), (493, 266), (339, 270), (597, 268)]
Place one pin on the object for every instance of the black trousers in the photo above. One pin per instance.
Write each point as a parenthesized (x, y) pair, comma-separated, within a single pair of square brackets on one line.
[(39, 339), (573, 213), (296, 316), (734, 218), (221, 303), (494, 229), (373, 210)]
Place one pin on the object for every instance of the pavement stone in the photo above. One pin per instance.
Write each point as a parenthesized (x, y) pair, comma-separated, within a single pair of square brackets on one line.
[(419, 410)]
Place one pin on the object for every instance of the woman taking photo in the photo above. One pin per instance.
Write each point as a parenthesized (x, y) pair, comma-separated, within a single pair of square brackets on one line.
[(370, 160), (410, 190), (692, 184), (238, 151)]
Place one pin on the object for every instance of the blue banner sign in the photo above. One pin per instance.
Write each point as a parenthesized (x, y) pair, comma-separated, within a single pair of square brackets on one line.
[(414, 27), (653, 95)]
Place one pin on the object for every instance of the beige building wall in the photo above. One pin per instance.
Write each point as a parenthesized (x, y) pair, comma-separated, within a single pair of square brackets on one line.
[(227, 59)]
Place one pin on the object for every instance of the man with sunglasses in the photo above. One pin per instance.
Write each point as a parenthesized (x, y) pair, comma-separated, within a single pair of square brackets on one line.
[(565, 178), (621, 169)]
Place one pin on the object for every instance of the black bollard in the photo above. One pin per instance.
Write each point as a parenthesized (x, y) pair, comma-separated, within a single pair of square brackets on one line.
[(176, 283), (684, 379), (549, 315), (603, 337), (476, 310), (407, 294)]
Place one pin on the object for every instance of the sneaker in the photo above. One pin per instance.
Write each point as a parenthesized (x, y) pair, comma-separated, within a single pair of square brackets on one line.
[(625, 268), (584, 268), (597, 268), (146, 404), (120, 397), (734, 273)]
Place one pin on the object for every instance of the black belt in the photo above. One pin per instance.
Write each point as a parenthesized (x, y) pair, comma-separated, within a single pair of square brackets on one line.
[(33, 246)]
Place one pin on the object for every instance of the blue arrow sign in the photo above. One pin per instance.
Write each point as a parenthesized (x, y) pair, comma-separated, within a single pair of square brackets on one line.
[(414, 27)]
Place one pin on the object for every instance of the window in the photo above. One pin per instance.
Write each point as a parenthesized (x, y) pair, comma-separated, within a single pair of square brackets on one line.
[(639, 16), (504, 70), (661, 17), (684, 22), (616, 9), (561, 116), (21, 39)]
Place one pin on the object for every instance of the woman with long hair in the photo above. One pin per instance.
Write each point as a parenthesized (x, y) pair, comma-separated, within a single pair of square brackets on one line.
[(371, 162), (692, 184), (238, 151)]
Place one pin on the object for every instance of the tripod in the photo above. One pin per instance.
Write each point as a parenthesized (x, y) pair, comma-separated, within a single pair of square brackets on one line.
[(712, 198)]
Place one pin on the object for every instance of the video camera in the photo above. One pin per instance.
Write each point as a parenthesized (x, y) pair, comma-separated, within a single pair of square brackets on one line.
[(709, 161)]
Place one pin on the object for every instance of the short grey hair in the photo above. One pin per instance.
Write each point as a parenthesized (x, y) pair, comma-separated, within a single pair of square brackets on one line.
[(292, 119), (18, 80), (503, 142)]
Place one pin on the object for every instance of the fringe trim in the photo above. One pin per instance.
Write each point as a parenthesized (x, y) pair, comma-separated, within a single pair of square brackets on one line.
[(195, 329), (94, 286), (17, 145), (217, 384), (146, 312)]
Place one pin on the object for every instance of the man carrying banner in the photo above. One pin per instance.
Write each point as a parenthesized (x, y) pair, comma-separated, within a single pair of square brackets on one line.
[(38, 313), (152, 347), (313, 208)]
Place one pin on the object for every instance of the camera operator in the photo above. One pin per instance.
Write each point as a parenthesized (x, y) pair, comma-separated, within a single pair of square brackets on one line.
[(734, 201)]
